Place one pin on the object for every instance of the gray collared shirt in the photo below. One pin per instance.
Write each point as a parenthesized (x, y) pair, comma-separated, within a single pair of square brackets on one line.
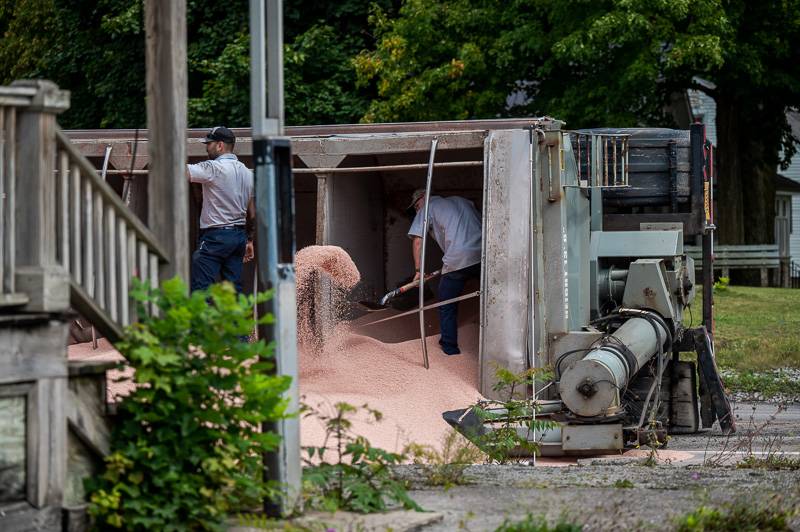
[(456, 227), (227, 189)]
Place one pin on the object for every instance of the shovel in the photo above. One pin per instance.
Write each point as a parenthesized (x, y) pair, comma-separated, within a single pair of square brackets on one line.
[(371, 305)]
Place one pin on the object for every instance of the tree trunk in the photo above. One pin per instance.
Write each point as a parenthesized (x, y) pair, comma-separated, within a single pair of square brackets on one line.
[(729, 206), (746, 159)]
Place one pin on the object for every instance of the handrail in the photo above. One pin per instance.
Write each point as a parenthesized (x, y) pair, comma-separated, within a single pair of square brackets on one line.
[(142, 232), (100, 242)]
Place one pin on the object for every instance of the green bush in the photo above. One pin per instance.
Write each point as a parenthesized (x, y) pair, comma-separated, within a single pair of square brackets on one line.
[(186, 444), (721, 285), (359, 478), (734, 518), (532, 523)]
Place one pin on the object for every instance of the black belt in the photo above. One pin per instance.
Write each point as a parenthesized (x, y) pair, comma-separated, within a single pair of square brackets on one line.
[(222, 227)]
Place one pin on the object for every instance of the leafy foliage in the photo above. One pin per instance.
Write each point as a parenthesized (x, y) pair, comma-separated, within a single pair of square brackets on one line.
[(513, 428), (359, 478), (96, 50), (743, 516), (533, 523), (186, 444), (721, 285)]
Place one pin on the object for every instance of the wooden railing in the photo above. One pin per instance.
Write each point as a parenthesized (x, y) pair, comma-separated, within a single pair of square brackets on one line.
[(100, 242)]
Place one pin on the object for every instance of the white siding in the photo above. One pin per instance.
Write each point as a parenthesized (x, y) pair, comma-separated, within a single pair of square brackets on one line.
[(794, 239)]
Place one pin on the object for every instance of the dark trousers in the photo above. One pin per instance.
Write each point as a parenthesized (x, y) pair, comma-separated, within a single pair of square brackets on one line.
[(219, 252), (451, 285)]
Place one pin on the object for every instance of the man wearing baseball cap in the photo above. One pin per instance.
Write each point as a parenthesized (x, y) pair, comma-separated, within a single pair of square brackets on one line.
[(456, 226), (226, 220)]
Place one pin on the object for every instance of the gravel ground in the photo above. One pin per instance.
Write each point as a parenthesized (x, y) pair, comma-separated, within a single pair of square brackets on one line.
[(789, 376), (622, 493)]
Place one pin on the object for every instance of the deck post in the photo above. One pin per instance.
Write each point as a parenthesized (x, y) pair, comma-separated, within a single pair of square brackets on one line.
[(37, 273), (168, 189)]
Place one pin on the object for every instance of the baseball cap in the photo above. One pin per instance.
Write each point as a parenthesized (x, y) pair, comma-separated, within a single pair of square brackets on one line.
[(220, 133), (419, 193)]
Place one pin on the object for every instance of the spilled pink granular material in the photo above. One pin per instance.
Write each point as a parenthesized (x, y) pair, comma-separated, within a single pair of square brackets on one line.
[(362, 369)]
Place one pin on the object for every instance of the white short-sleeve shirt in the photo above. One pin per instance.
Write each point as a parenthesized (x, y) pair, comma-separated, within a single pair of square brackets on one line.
[(227, 189), (456, 227)]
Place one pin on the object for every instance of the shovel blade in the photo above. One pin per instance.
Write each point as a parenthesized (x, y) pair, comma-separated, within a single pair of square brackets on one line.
[(372, 306)]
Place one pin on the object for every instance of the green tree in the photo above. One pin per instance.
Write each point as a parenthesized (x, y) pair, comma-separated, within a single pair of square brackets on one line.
[(95, 49), (609, 62)]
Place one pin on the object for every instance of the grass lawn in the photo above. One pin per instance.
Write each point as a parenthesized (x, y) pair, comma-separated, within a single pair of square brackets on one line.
[(756, 328)]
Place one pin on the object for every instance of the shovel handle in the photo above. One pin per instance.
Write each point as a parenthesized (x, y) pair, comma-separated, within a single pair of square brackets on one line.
[(414, 284), (407, 287)]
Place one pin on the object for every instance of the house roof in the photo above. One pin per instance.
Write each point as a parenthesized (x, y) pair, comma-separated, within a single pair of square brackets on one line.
[(784, 184)]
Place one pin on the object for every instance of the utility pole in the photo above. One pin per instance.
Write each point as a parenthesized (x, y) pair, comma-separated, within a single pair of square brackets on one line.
[(275, 242)]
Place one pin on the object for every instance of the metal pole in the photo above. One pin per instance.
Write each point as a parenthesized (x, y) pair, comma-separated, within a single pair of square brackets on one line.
[(275, 234), (428, 182)]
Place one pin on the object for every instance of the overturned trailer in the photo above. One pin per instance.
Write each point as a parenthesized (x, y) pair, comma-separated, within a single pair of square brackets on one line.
[(583, 266)]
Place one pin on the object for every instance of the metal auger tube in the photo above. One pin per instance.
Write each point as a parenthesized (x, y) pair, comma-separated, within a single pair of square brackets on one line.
[(592, 386)]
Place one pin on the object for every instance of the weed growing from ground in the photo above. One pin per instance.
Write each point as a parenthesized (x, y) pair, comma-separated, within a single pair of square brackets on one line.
[(535, 523), (734, 518), (771, 461), (359, 478), (511, 427), (744, 442), (624, 484), (445, 467)]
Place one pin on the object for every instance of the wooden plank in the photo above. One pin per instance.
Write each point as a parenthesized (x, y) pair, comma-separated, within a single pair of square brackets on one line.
[(47, 444), (3, 148), (75, 223), (86, 412), (9, 235), (123, 273), (63, 210), (100, 251), (132, 269), (141, 256), (32, 350), (741, 263), (111, 263), (168, 188), (90, 173), (88, 242), (734, 248), (154, 279)]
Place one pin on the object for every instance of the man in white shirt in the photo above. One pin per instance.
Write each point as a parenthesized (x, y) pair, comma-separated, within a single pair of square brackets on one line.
[(226, 221), (456, 226)]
